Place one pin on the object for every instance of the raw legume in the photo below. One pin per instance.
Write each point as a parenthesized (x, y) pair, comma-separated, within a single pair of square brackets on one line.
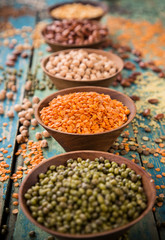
[(84, 112), (81, 65), (86, 196), (76, 32), (76, 11)]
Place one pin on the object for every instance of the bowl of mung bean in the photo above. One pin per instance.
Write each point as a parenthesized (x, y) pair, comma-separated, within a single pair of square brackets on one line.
[(82, 67), (78, 10), (65, 34), (85, 118), (86, 195)]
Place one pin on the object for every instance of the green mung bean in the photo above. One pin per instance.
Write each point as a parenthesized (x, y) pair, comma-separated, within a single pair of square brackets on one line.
[(86, 196)]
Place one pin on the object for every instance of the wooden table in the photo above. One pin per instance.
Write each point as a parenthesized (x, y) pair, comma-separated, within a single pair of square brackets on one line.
[(152, 227)]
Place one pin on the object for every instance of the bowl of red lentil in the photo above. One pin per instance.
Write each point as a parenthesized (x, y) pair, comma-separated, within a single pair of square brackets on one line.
[(78, 10), (82, 67), (147, 186), (85, 118), (68, 34)]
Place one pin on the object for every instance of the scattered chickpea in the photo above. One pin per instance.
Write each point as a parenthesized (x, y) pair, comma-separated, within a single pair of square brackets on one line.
[(38, 136), (26, 123), (30, 110), (28, 85), (34, 122), (46, 134), (21, 114), (44, 143), (25, 133), (20, 138), (10, 95), (28, 116), (10, 114), (17, 107), (22, 128), (35, 99), (35, 105), (2, 95), (21, 120)]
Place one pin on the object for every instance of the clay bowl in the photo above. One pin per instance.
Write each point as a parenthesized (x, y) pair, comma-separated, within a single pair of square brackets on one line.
[(96, 4), (32, 178), (62, 83), (98, 141), (55, 46)]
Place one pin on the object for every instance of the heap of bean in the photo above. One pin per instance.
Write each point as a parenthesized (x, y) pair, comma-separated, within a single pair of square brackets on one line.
[(86, 196), (81, 65), (75, 32), (76, 11)]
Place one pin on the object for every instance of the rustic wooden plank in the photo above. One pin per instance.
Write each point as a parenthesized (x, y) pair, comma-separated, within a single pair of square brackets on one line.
[(141, 230), (11, 130)]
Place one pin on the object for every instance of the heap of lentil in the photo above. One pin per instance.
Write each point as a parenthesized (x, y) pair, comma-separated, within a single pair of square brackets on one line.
[(86, 196), (84, 113)]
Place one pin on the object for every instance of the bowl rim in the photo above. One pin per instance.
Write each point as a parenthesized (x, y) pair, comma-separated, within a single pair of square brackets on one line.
[(102, 5), (90, 50), (132, 114), (83, 236), (74, 45)]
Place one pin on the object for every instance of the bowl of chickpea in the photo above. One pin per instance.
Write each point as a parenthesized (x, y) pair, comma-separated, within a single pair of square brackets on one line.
[(82, 67)]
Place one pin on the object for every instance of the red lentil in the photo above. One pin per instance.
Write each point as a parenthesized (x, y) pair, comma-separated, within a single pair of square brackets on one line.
[(84, 112)]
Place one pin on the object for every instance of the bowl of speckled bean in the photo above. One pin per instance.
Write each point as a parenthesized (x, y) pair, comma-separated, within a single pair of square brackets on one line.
[(86, 195), (85, 118)]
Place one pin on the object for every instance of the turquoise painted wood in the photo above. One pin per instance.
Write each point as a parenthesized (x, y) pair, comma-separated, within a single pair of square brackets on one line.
[(10, 131), (19, 225)]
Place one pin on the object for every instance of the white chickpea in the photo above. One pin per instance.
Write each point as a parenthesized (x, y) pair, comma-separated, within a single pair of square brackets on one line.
[(69, 76), (81, 72), (22, 114), (106, 74), (20, 138), (112, 71), (46, 134), (22, 128), (18, 107), (52, 71), (26, 123), (28, 116), (25, 133), (31, 111), (63, 73), (35, 99), (34, 122), (38, 136), (10, 95), (21, 120), (10, 114)]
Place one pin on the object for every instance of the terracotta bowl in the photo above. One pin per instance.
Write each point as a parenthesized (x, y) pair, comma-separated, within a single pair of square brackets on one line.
[(98, 141), (93, 3), (59, 47), (32, 178), (62, 83)]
